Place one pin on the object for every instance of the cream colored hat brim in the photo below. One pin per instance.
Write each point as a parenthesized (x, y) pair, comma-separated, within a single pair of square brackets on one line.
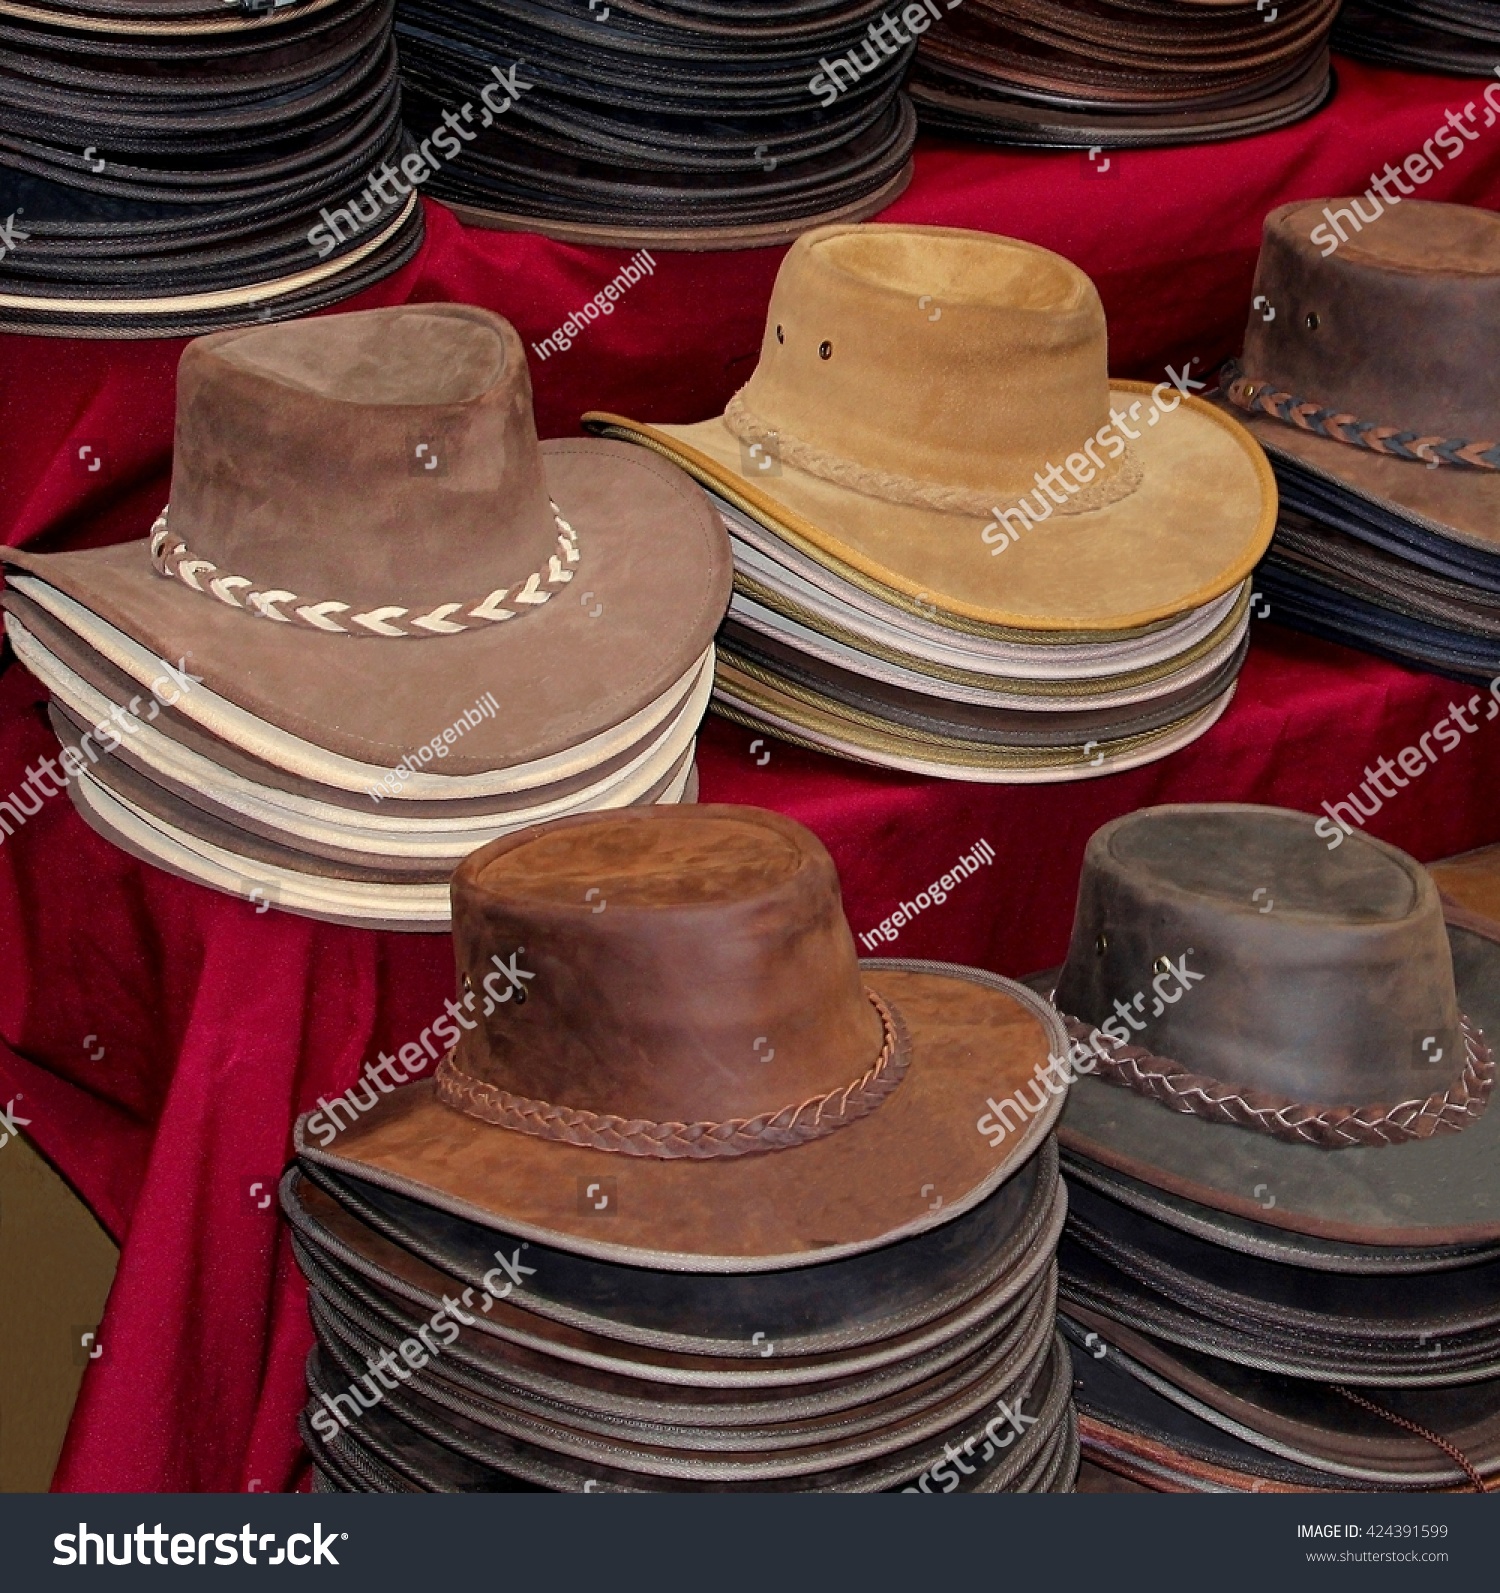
[(153, 840), (384, 828)]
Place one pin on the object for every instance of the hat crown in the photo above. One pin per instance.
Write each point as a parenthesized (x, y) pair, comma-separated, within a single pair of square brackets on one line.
[(686, 965), (382, 456), (950, 357), (1315, 975), (1391, 325)]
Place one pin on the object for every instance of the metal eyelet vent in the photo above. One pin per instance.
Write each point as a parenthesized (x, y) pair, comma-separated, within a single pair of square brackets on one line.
[(780, 335), (825, 351), (1162, 965), (1312, 323), (1101, 945), (468, 985)]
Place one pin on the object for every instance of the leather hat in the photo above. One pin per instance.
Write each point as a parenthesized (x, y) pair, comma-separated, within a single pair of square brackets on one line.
[(1122, 72), (1370, 378), (816, 1377), (1179, 1421), (364, 533), (915, 382), (675, 126), (1259, 1014), (698, 1049), (170, 160), (1456, 36)]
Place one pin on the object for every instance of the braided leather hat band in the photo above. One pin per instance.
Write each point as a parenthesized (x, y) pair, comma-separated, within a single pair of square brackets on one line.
[(1257, 397), (740, 1136), (174, 559), (1332, 1127)]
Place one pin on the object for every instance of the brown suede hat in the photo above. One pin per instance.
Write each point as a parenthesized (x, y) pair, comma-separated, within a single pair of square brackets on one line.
[(1367, 356), (1273, 1019), (683, 1065), (914, 385), (364, 534)]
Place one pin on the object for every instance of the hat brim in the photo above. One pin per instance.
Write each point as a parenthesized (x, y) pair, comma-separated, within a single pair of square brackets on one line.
[(1461, 504), (169, 745), (1195, 527), (1265, 1425), (800, 719), (653, 583), (1438, 1191), (915, 1162), (241, 867)]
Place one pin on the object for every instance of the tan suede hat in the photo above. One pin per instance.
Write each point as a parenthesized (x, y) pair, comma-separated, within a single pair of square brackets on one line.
[(923, 392)]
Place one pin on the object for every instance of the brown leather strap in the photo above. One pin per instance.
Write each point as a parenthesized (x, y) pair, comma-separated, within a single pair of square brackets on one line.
[(1452, 1451), (1330, 1126), (738, 1136), (1257, 396)]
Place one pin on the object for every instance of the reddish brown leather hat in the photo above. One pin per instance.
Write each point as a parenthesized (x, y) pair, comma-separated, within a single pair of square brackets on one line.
[(1367, 356), (365, 533), (1282, 1028), (687, 1067)]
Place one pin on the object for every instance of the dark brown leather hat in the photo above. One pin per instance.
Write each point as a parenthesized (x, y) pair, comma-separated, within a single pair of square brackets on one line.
[(365, 533), (687, 1066), (1366, 356), (1316, 1033)]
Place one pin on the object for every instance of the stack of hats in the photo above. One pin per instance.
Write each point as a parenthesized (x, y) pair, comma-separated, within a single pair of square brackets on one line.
[(1122, 72), (355, 646), (696, 1202), (1456, 36), (1367, 379), (1282, 1262), (163, 162), (960, 548), (676, 123)]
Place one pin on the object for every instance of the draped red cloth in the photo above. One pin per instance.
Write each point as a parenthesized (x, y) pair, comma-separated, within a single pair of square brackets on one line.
[(161, 1038)]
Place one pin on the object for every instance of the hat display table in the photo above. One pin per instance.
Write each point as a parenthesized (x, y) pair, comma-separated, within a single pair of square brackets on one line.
[(160, 1039)]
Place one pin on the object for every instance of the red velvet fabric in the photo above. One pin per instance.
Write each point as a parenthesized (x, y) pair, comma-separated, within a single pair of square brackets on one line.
[(161, 1038)]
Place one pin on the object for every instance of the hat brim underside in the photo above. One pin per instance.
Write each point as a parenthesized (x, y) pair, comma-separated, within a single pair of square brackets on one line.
[(1196, 525), (654, 567), (801, 720), (404, 1245), (170, 747), (1309, 1436), (242, 867), (1438, 1191), (914, 1163), (1462, 504)]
